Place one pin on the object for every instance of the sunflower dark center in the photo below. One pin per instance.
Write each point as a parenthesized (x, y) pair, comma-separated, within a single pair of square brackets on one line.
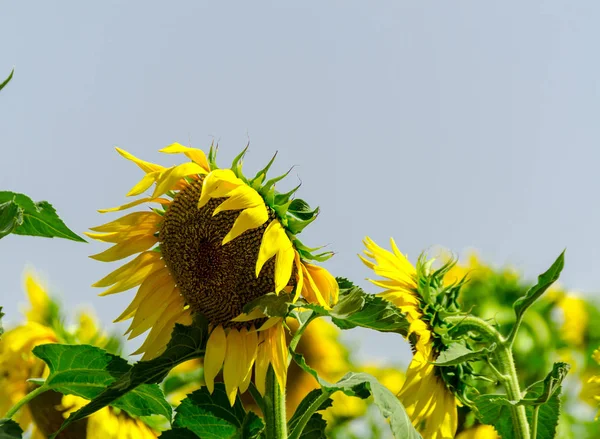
[(215, 280)]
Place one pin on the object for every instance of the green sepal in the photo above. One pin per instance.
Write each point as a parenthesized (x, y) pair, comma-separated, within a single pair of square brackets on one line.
[(296, 226), (300, 209), (238, 162), (212, 156), (260, 176), (284, 199), (1, 327), (306, 253), (268, 187)]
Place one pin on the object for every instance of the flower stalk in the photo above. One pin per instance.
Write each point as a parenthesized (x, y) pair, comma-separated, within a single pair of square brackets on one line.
[(31, 395), (274, 404), (506, 370)]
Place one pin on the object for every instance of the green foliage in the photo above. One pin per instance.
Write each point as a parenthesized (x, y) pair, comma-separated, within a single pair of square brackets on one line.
[(363, 385), (211, 416), (187, 342), (7, 80), (178, 433), (545, 280), (9, 429), (315, 428), (86, 371), (458, 353), (21, 216)]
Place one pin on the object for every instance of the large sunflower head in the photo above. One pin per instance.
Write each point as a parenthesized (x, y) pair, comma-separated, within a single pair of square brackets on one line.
[(214, 241), (428, 394)]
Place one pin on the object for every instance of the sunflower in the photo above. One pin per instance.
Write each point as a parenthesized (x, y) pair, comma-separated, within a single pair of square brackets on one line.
[(428, 401), (215, 242), (45, 413), (591, 388)]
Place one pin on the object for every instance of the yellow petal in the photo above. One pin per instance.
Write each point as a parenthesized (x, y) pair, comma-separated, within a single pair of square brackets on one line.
[(272, 321), (217, 184), (253, 315), (299, 275), (323, 283), (126, 248), (276, 241), (135, 203), (132, 276), (169, 178), (251, 345), (145, 183), (233, 367), (148, 286), (262, 362), (145, 166), (151, 309), (160, 334), (242, 197), (195, 154), (247, 220), (214, 357), (129, 220), (284, 263), (38, 298), (279, 353)]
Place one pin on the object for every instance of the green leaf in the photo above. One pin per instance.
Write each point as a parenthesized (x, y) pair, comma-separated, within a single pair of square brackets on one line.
[(300, 209), (85, 371), (178, 433), (357, 308), (9, 429), (187, 342), (315, 428), (7, 80), (545, 280), (253, 427), (305, 405), (21, 216), (271, 305), (458, 353), (363, 385), (211, 416), (551, 384), (495, 410), (11, 217)]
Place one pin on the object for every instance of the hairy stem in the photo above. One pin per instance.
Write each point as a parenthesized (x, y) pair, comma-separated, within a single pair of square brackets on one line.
[(505, 371), (274, 402)]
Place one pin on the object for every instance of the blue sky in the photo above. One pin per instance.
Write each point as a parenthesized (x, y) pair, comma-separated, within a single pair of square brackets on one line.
[(460, 124)]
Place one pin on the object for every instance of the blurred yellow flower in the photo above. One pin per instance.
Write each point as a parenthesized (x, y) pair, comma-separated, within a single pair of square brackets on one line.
[(591, 388), (574, 319), (44, 414), (479, 432)]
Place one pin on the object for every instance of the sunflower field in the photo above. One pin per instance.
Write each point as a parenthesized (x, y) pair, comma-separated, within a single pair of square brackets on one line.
[(241, 327)]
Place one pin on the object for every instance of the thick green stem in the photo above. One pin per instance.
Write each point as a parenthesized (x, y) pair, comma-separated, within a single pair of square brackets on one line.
[(506, 366), (274, 401), (15, 408), (534, 421)]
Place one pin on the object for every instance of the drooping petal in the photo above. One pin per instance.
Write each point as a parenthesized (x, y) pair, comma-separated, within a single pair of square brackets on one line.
[(323, 284), (234, 367), (131, 274), (299, 275), (214, 356), (247, 220), (194, 154), (278, 353), (262, 362), (218, 184), (251, 344), (144, 166), (151, 309), (275, 241)]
